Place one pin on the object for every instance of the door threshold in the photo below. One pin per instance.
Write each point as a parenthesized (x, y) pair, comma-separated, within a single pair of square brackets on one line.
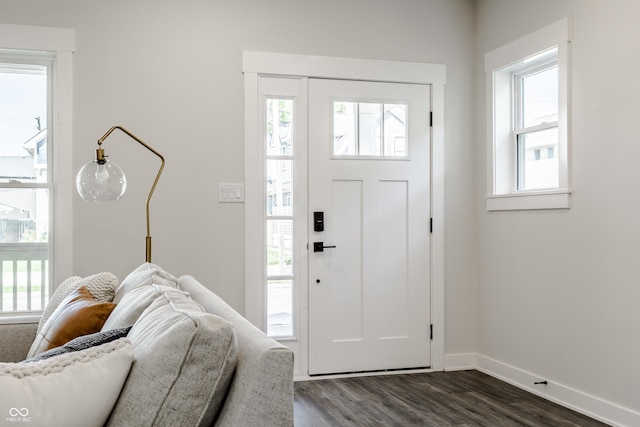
[(400, 371)]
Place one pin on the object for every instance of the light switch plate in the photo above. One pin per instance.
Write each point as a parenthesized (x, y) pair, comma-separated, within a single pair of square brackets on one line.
[(230, 193)]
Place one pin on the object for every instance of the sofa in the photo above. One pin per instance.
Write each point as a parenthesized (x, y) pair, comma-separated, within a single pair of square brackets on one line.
[(169, 352)]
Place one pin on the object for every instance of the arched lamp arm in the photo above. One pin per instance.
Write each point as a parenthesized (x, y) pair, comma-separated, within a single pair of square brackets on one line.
[(100, 155)]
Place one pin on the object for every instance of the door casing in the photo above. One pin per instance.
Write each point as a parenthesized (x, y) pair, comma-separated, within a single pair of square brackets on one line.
[(256, 64)]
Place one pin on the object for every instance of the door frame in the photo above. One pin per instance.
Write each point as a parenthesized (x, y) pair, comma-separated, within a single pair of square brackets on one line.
[(257, 64)]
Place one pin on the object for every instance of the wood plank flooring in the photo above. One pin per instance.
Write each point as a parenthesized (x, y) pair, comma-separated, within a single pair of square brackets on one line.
[(462, 398)]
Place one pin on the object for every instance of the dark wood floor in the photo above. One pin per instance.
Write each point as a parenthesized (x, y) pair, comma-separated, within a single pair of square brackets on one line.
[(463, 398)]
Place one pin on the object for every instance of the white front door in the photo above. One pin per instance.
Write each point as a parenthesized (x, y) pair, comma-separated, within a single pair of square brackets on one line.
[(369, 279)]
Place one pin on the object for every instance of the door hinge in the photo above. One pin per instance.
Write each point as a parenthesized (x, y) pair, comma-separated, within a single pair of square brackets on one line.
[(431, 331), (431, 118), (430, 225)]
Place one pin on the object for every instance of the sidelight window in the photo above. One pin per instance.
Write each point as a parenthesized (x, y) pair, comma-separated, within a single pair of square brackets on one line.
[(280, 215)]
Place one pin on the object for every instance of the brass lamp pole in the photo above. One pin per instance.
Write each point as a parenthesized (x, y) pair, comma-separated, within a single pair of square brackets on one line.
[(104, 180)]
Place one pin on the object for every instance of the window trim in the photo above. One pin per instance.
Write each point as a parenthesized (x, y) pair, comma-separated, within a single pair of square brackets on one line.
[(501, 179), (58, 43)]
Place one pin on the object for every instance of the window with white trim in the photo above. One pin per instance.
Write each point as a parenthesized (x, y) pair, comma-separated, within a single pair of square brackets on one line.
[(36, 244), (527, 122), (25, 184)]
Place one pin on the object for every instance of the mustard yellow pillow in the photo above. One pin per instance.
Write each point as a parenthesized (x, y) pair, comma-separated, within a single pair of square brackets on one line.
[(77, 315)]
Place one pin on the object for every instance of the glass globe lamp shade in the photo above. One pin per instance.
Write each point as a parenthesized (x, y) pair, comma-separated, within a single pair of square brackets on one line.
[(100, 181)]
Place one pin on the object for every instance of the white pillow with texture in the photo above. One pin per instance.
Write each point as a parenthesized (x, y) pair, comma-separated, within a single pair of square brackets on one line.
[(134, 303), (65, 288), (145, 274), (73, 389)]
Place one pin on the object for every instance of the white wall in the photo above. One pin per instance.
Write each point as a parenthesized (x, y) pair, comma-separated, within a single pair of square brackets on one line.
[(170, 72), (559, 290)]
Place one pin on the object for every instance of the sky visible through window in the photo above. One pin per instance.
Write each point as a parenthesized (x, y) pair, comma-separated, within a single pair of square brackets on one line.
[(540, 97), (23, 101)]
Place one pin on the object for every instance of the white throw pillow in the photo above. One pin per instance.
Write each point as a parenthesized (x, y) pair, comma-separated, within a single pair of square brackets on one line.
[(73, 389), (65, 288), (133, 303), (145, 274)]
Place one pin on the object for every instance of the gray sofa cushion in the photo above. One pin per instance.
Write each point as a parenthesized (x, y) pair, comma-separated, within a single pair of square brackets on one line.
[(261, 393), (184, 361), (15, 340)]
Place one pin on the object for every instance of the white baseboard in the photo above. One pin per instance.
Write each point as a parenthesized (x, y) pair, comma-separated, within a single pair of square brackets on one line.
[(460, 362), (579, 401), (571, 398)]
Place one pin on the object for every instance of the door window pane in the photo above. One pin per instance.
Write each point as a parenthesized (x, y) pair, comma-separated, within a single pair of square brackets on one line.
[(369, 129), (344, 129), (395, 130)]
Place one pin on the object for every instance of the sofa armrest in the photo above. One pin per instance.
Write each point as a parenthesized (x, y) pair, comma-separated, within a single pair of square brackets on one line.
[(16, 339), (261, 391)]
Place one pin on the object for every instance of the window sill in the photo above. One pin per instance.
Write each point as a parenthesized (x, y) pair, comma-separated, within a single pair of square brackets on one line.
[(554, 199), (6, 319)]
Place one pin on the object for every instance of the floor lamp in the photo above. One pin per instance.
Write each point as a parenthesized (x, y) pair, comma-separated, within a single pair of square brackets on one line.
[(101, 180)]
